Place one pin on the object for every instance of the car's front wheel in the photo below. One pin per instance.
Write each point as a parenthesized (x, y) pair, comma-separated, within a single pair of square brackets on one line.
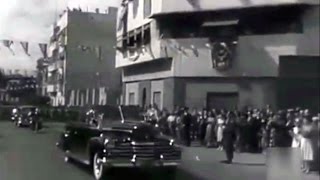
[(99, 171)]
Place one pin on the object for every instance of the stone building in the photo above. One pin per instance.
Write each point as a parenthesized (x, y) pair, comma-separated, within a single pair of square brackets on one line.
[(219, 54)]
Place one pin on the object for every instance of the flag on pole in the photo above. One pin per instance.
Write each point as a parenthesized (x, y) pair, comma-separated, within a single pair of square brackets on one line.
[(25, 47)]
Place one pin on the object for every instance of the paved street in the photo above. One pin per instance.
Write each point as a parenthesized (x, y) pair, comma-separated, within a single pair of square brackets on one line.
[(28, 156)]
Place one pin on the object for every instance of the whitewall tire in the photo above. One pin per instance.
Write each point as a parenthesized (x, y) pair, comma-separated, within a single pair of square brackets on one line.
[(98, 167)]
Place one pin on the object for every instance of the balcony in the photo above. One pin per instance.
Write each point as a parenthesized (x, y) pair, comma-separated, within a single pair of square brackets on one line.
[(53, 46)]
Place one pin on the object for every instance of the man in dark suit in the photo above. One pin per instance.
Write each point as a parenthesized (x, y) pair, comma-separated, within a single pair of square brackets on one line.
[(229, 137), (187, 120)]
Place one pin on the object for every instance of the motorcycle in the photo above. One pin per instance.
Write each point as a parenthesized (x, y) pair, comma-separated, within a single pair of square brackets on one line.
[(14, 117)]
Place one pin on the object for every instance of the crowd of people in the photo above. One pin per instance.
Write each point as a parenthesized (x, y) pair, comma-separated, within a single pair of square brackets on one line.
[(249, 130)]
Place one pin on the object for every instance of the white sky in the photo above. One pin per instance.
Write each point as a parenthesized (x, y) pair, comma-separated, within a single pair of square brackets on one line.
[(30, 20)]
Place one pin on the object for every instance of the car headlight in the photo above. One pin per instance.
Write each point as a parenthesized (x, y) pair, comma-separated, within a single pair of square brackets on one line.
[(66, 135), (171, 142), (106, 142)]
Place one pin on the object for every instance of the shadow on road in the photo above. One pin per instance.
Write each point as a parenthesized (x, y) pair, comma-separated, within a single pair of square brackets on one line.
[(243, 164), (249, 164), (141, 174)]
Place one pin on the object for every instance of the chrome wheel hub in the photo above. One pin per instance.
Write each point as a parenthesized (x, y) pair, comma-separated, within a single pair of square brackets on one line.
[(97, 166)]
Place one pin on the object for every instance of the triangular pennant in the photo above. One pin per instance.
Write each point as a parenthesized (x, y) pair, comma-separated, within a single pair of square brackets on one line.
[(43, 49), (25, 47), (124, 10), (194, 50), (98, 52), (8, 44)]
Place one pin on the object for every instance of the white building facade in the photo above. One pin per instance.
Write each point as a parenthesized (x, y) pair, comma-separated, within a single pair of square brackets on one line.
[(81, 68)]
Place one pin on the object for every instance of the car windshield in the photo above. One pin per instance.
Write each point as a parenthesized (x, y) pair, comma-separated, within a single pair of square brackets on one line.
[(27, 110), (145, 133), (112, 113)]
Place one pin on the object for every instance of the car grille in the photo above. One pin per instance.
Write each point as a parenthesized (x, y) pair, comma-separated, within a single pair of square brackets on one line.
[(146, 151)]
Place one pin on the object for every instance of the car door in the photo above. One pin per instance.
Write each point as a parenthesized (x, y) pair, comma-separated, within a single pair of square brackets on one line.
[(71, 138), (85, 135)]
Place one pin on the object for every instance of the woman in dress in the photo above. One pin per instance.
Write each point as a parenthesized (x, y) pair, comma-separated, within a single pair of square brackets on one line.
[(220, 126), (209, 129), (296, 134), (306, 144)]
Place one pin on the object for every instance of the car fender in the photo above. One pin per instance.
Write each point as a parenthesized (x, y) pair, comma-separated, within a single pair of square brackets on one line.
[(95, 144)]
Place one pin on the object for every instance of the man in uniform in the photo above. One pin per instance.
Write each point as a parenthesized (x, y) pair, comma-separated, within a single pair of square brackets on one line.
[(187, 119), (229, 137)]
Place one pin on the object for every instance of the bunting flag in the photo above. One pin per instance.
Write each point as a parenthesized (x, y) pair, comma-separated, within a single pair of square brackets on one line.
[(43, 49), (181, 50), (123, 14), (8, 44), (194, 50), (25, 47), (98, 52)]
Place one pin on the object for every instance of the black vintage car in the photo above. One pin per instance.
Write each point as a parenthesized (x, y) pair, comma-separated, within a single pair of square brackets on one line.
[(119, 140), (20, 115)]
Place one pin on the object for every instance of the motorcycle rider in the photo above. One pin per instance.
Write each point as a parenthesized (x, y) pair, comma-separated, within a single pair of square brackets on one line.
[(14, 114), (34, 116)]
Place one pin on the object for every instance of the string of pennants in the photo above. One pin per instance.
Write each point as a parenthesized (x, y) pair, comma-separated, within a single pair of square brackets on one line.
[(184, 50), (25, 46)]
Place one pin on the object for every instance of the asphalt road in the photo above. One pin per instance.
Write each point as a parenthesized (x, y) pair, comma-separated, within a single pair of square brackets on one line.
[(25, 155)]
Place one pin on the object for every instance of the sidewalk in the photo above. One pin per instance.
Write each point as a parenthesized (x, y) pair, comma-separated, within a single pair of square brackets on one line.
[(206, 163)]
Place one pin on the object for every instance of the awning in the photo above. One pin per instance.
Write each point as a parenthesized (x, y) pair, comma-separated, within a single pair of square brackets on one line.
[(220, 23)]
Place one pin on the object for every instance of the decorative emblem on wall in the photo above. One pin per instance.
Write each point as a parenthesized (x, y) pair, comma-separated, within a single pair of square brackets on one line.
[(222, 55)]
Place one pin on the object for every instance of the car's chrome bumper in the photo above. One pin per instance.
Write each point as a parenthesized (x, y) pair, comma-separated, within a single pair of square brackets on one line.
[(140, 163)]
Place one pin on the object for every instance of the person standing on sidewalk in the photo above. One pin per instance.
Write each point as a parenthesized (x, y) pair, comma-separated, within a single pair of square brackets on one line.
[(220, 124), (229, 138), (186, 120)]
